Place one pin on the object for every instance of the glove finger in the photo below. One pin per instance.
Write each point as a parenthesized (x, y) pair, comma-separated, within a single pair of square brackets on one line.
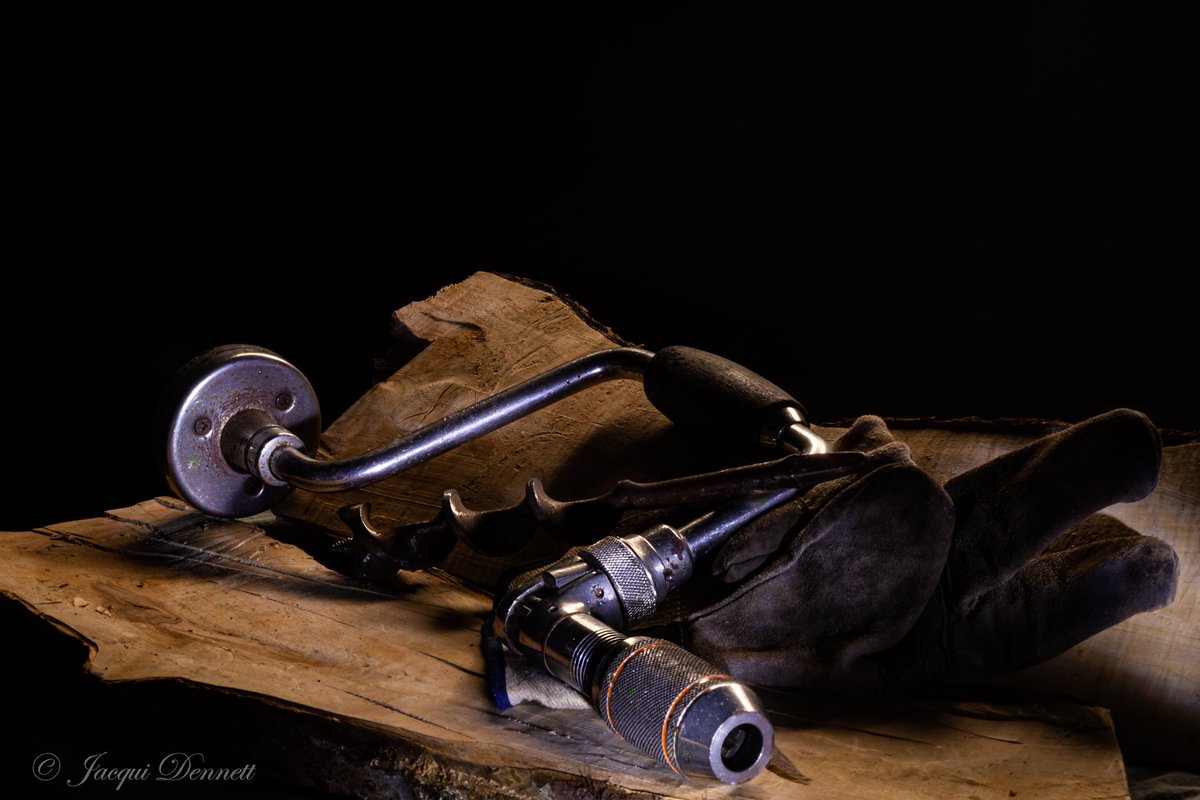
[(1009, 509), (1102, 573), (851, 582)]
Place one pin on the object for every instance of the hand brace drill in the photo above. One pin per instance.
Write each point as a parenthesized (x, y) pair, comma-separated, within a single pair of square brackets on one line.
[(241, 418)]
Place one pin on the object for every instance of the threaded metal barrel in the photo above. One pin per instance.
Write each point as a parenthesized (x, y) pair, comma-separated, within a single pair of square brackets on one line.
[(583, 661)]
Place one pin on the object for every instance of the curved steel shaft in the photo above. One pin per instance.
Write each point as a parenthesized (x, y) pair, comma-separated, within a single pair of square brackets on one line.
[(292, 465), (245, 423)]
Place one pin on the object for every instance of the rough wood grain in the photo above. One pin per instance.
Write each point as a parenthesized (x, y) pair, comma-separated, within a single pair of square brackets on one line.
[(158, 591)]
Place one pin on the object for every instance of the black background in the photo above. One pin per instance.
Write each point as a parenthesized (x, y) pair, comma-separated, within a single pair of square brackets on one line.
[(981, 212), (988, 211)]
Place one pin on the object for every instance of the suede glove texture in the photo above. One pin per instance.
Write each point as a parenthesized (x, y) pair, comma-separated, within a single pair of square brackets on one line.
[(886, 579)]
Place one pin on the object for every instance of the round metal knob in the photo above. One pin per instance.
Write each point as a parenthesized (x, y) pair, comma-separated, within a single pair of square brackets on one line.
[(215, 405)]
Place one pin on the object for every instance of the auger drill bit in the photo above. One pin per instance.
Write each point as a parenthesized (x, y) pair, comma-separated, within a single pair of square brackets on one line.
[(374, 555)]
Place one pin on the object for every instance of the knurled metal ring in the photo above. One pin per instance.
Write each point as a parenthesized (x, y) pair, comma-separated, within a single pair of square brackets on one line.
[(629, 576)]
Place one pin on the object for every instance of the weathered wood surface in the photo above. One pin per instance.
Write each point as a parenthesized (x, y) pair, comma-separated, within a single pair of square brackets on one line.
[(158, 591)]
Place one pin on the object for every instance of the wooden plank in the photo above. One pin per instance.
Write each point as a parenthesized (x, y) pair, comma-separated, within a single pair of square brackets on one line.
[(159, 592)]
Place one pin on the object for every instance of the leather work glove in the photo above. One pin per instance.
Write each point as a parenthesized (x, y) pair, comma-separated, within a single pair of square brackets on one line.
[(886, 579)]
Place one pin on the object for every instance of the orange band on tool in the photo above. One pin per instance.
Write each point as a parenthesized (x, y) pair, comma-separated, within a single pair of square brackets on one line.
[(675, 702), (670, 710), (611, 683)]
